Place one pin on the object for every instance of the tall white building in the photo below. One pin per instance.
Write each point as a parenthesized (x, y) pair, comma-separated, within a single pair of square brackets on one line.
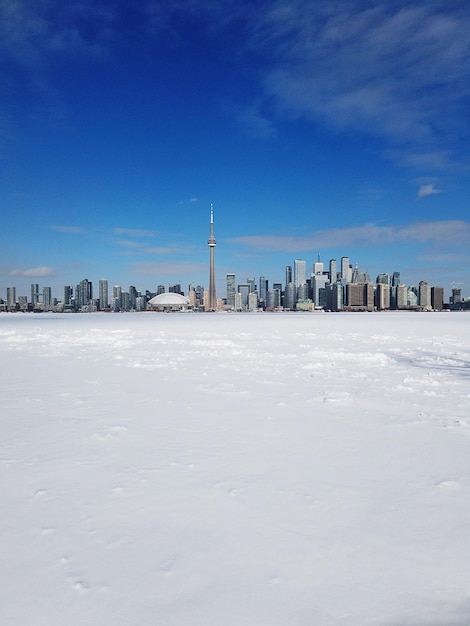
[(346, 270), (103, 293), (318, 268), (424, 295), (300, 272), (333, 271)]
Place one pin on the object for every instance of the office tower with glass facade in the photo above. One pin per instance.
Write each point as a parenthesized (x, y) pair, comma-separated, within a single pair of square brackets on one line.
[(288, 274), (103, 293), (231, 290), (34, 294)]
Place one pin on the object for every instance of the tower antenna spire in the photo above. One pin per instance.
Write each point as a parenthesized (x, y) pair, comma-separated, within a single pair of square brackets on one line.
[(212, 243)]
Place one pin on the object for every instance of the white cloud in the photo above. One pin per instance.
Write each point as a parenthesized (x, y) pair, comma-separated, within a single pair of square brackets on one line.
[(134, 232), (254, 122), (428, 190), (41, 271), (440, 233), (128, 243), (367, 66), (68, 229), (170, 269)]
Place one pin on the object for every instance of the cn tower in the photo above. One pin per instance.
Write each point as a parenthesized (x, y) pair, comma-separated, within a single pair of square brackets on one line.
[(211, 243)]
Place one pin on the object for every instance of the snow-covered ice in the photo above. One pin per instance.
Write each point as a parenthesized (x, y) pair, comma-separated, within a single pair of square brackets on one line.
[(220, 469)]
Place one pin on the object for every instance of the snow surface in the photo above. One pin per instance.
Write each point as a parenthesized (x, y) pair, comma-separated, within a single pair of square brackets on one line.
[(220, 469)]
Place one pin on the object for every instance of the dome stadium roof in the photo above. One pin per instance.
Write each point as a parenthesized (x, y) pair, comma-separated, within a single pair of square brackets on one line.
[(169, 299)]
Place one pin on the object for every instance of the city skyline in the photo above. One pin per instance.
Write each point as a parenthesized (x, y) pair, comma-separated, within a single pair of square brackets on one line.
[(333, 288), (317, 129)]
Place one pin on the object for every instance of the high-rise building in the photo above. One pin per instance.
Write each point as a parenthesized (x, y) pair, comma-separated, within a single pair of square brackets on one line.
[(424, 295), (231, 291), (117, 292), (263, 289), (382, 296), (47, 297), (437, 298), (244, 289), (335, 301), (288, 274), (68, 295), (302, 292), (456, 296), (212, 243), (273, 298), (252, 283), (34, 294), (103, 293), (383, 279), (346, 270), (238, 302), (83, 293), (358, 276), (402, 297), (333, 271), (319, 281), (11, 298), (125, 301), (300, 272), (133, 294), (290, 296), (360, 296), (412, 297), (252, 301)]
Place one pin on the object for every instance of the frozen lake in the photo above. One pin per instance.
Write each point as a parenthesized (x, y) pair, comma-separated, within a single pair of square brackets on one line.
[(235, 469)]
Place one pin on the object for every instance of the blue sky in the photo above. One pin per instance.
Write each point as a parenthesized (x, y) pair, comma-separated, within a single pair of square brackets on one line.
[(315, 128)]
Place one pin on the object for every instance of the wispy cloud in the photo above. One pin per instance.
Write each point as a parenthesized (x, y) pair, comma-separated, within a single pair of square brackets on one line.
[(68, 229), (128, 243), (439, 233), (175, 270), (253, 121), (428, 190), (163, 250), (38, 272), (30, 32), (134, 232), (394, 70)]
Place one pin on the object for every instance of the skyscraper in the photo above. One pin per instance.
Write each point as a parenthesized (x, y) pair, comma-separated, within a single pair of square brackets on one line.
[(437, 298), (300, 272), (346, 272), (288, 274), (68, 295), (333, 271), (263, 289), (34, 294), (11, 298), (211, 243), (231, 289), (252, 283), (47, 297), (103, 293)]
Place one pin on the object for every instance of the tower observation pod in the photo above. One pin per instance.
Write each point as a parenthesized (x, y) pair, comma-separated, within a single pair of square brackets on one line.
[(212, 243)]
